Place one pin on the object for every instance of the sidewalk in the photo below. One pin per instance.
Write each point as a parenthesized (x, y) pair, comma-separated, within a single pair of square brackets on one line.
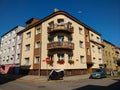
[(33, 78)]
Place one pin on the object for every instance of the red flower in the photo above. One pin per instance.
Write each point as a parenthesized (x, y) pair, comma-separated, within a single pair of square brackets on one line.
[(50, 62), (60, 61), (70, 61)]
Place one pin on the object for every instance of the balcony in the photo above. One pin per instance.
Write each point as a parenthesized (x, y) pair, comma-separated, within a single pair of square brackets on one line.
[(96, 42), (60, 45), (60, 27)]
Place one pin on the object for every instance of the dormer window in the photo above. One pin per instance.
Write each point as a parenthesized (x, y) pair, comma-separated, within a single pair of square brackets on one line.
[(60, 21)]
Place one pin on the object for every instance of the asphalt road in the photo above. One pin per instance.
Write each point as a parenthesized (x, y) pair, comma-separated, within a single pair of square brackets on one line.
[(83, 84)]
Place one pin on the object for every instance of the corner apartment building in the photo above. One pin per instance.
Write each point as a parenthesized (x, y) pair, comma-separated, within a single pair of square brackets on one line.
[(11, 50), (69, 44), (110, 55)]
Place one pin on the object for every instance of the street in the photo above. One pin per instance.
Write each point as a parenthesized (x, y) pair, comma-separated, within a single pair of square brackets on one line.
[(83, 84)]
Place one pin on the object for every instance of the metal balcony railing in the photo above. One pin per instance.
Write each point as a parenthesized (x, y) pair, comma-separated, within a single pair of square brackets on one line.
[(62, 45), (61, 27)]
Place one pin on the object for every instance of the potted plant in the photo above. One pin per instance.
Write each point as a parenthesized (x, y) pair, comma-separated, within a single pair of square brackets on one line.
[(50, 62), (61, 61), (70, 61)]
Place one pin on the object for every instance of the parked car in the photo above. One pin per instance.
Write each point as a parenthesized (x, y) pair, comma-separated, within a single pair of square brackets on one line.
[(56, 75), (99, 73)]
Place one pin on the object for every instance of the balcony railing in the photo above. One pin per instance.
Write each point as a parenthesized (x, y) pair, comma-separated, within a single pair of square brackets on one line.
[(61, 27), (62, 45), (96, 42)]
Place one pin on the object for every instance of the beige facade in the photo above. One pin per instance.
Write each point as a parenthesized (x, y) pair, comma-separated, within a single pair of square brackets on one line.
[(110, 55), (28, 48), (62, 38), (96, 49)]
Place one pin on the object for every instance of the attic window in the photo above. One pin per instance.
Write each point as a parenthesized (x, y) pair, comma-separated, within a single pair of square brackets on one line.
[(60, 21)]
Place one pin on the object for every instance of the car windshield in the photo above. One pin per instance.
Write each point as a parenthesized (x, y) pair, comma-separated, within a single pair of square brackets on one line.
[(98, 70)]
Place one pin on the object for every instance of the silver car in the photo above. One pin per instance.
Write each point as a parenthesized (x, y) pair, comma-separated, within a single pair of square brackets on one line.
[(99, 73)]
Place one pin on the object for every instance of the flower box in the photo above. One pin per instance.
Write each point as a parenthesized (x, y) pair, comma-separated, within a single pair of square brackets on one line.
[(70, 61), (50, 62), (60, 61)]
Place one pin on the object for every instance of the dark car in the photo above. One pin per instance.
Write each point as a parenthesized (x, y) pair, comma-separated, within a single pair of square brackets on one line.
[(99, 73), (56, 75)]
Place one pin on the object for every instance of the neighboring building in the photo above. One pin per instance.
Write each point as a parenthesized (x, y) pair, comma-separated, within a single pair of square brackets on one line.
[(110, 55), (70, 45), (0, 53), (11, 50), (93, 50)]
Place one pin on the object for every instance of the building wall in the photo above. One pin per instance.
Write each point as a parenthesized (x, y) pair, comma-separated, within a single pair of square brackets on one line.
[(10, 50), (96, 54), (78, 38), (77, 52), (28, 53), (9, 47), (108, 55)]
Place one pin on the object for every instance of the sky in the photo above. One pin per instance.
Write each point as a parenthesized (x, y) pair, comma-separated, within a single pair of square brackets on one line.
[(101, 15)]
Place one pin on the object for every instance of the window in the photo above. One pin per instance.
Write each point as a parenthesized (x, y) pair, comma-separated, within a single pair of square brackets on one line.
[(81, 44), (109, 53), (60, 38), (37, 45), (6, 43), (94, 58), (7, 60), (69, 39), (9, 49), (12, 57), (18, 46), (27, 47), (38, 31), (93, 48), (69, 57), (51, 24), (60, 21), (9, 41), (92, 36), (81, 59), (27, 60), (13, 39), (98, 39), (51, 39), (13, 48), (68, 25), (1, 45), (18, 56), (51, 57), (18, 37), (100, 60), (80, 30), (28, 34), (99, 50), (106, 53), (60, 56), (37, 59)]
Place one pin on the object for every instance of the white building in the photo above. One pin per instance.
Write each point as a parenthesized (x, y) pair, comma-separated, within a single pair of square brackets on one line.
[(11, 49)]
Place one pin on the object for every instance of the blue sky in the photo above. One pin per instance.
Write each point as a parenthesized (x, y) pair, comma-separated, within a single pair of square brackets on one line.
[(101, 15)]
